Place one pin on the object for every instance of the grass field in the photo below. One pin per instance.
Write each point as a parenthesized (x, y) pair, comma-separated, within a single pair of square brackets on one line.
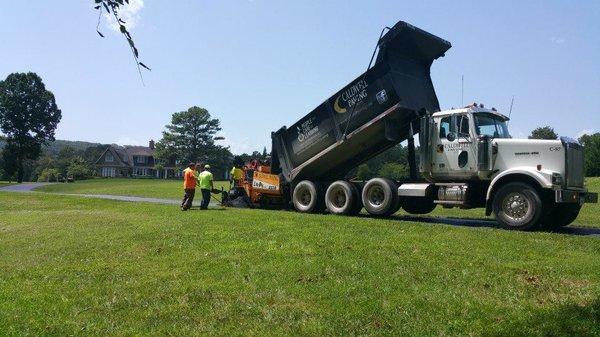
[(72, 266), (171, 189), (153, 188)]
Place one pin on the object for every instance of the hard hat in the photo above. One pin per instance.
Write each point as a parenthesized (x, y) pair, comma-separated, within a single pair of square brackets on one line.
[(206, 166)]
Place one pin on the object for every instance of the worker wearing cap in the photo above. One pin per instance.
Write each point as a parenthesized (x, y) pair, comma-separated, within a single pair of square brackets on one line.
[(189, 186), (205, 181)]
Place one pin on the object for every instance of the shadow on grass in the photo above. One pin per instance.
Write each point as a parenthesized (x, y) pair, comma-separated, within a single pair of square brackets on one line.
[(482, 222), (564, 320)]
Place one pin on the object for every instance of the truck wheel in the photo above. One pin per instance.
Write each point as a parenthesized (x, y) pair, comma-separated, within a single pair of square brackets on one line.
[(561, 215), (518, 206), (418, 205), (341, 198), (307, 197), (380, 196)]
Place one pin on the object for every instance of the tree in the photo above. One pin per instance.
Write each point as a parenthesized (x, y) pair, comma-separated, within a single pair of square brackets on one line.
[(9, 164), (543, 132), (79, 169), (591, 145), (190, 137), (48, 175), (265, 154), (28, 118), (44, 162), (394, 171), (364, 172), (112, 8)]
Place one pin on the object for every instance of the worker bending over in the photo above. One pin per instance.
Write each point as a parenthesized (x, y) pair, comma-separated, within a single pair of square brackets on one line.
[(189, 186), (205, 181)]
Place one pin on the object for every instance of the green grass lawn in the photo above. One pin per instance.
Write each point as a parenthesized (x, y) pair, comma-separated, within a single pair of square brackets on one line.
[(172, 189), (154, 188), (6, 183), (79, 266)]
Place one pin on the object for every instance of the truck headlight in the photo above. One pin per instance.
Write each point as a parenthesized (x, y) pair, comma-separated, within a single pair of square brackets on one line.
[(557, 179)]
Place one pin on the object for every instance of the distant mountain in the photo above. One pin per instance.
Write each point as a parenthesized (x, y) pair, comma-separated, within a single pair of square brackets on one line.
[(54, 147)]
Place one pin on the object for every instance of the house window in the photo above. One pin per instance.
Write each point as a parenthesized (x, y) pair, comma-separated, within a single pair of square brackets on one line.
[(139, 171), (141, 159), (109, 157), (108, 172)]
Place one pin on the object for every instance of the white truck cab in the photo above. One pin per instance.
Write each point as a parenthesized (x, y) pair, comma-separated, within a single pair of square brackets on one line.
[(469, 159)]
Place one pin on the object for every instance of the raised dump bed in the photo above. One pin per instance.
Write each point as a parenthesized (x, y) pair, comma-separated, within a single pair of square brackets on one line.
[(366, 117)]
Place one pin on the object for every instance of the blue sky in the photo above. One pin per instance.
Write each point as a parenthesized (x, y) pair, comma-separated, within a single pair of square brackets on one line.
[(257, 65)]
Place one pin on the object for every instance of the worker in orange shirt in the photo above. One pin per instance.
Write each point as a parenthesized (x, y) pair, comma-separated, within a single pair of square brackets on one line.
[(189, 186)]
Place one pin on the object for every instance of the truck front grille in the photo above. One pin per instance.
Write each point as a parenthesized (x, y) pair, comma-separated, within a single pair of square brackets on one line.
[(574, 163)]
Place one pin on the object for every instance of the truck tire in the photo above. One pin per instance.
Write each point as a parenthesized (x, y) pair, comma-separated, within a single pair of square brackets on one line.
[(561, 215), (418, 205), (342, 198), (518, 206), (380, 196), (396, 208), (307, 197)]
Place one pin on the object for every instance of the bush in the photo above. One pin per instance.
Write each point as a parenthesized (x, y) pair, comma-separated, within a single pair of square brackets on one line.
[(48, 175), (79, 171), (393, 171), (591, 145), (364, 172)]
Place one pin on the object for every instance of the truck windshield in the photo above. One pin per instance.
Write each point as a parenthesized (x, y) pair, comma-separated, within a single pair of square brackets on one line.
[(491, 125)]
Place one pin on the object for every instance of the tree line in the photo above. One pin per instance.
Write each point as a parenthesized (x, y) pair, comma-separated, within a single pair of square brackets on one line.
[(29, 117)]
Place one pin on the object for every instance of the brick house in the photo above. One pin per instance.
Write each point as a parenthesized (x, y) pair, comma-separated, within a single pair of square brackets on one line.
[(133, 161)]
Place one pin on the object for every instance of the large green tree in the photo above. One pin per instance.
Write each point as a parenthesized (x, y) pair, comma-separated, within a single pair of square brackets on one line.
[(591, 145), (28, 118), (543, 132), (191, 137)]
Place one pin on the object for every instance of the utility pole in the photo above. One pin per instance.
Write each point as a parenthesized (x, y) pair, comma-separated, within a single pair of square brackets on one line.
[(462, 91)]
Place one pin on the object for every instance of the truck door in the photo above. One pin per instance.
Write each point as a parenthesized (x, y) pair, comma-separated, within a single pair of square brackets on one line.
[(454, 155)]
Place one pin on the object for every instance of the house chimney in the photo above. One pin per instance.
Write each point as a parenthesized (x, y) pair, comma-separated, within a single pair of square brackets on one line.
[(151, 144)]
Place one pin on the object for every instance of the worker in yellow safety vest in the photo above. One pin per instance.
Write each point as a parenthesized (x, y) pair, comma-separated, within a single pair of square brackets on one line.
[(236, 175), (205, 181)]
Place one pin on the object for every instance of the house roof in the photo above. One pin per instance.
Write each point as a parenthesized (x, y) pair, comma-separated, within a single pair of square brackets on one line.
[(125, 153), (130, 151)]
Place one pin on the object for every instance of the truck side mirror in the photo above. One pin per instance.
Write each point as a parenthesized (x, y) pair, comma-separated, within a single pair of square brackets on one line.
[(451, 136)]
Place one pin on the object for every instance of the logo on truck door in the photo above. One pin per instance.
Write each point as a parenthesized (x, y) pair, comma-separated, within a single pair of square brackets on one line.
[(351, 96)]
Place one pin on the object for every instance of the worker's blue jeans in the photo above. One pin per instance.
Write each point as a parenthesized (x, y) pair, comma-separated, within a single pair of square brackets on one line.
[(205, 198)]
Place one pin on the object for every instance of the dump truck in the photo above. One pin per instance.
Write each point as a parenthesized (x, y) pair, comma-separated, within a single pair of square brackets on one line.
[(467, 157)]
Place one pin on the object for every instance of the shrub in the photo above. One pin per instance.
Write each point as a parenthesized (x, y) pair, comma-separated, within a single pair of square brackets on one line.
[(393, 171), (364, 172), (48, 175)]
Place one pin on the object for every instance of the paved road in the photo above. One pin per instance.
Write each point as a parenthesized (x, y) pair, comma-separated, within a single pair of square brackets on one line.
[(463, 222), (24, 187), (140, 199)]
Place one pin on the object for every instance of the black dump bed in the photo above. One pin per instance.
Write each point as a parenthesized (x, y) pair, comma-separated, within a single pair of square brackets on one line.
[(366, 117)]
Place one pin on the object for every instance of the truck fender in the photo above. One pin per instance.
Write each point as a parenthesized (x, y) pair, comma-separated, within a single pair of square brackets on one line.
[(543, 178)]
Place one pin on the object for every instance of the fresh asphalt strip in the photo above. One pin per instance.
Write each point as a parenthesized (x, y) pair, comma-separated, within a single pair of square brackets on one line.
[(462, 222)]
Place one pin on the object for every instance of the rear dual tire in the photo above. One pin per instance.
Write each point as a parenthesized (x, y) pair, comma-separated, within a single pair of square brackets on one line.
[(343, 198), (308, 197), (380, 197)]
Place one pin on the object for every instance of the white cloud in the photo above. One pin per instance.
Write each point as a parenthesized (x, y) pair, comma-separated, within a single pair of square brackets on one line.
[(585, 132), (128, 13), (557, 40)]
